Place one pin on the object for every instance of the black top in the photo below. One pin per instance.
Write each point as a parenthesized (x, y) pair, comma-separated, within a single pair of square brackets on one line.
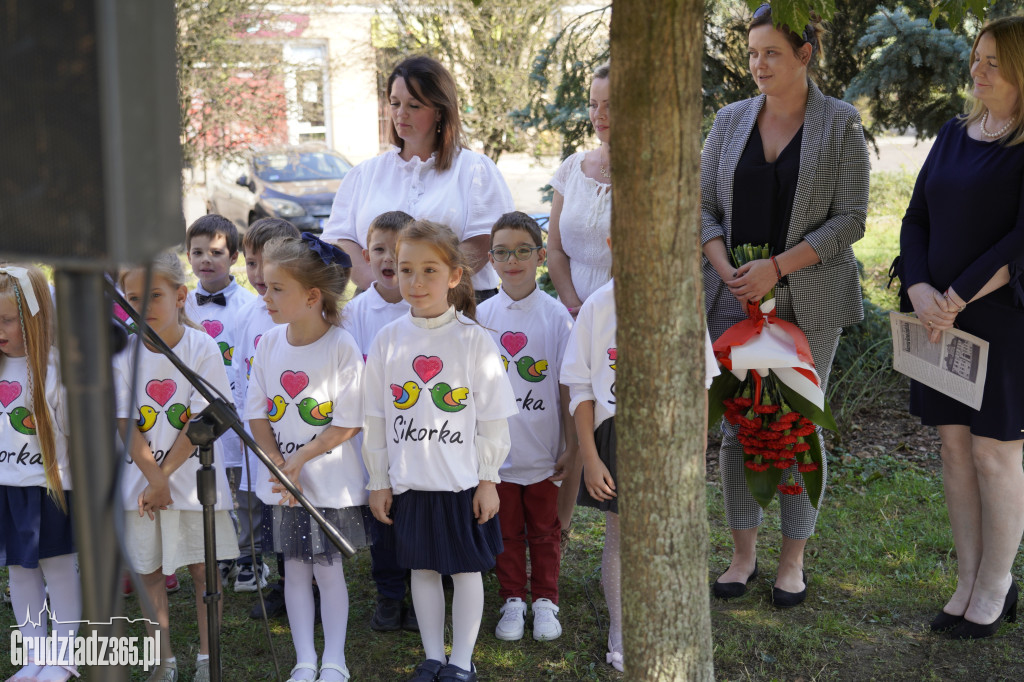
[(763, 193)]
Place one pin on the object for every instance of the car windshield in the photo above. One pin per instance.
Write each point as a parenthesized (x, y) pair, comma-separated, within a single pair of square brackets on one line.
[(295, 166)]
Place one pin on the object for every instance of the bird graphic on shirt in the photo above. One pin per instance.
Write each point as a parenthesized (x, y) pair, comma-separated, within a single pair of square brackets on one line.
[(178, 415), (447, 398), (23, 421), (531, 370), (505, 360), (226, 351), (275, 408), (315, 413), (147, 418), (406, 395)]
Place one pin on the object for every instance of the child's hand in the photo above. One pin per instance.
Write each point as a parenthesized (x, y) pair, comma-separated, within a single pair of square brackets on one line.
[(598, 480), (563, 465), (291, 468), (155, 496), (485, 501), (380, 505)]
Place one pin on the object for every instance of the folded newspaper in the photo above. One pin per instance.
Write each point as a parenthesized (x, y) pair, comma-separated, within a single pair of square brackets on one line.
[(955, 366)]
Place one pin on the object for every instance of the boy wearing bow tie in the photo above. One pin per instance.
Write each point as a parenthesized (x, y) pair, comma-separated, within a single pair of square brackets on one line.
[(212, 244)]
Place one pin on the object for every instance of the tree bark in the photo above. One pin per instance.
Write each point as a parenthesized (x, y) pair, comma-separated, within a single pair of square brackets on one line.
[(656, 48)]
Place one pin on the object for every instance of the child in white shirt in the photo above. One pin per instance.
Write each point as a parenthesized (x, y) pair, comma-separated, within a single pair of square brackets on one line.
[(304, 405), (211, 243), (531, 329), (365, 315), (437, 403)]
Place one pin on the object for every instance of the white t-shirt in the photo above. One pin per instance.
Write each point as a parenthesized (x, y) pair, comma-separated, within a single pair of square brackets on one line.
[(531, 335), (367, 314), (303, 390), (221, 322), (21, 458), (589, 365), (163, 401), (468, 197), (590, 360), (431, 386), (255, 321), (584, 225)]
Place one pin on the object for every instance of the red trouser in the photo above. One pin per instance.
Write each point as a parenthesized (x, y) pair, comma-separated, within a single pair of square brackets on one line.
[(529, 514)]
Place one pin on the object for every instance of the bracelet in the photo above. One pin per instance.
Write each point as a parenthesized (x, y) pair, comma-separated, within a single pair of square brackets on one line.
[(778, 272), (959, 308)]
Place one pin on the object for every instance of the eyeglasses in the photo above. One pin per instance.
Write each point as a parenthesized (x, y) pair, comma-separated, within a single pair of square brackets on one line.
[(501, 254)]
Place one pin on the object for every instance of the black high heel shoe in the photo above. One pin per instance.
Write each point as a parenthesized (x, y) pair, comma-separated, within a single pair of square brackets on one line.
[(970, 630), (944, 622), (787, 600), (732, 590)]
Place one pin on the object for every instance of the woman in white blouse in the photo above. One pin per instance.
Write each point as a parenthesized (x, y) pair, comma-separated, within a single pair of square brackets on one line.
[(579, 258), (428, 173)]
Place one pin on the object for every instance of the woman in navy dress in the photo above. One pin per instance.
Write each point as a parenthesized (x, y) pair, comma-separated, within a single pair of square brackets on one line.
[(962, 248)]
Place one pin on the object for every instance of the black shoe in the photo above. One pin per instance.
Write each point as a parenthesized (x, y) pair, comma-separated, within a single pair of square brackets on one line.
[(454, 673), (968, 630), (944, 621), (409, 621), (273, 602), (731, 590), (787, 600), (387, 617), (427, 671)]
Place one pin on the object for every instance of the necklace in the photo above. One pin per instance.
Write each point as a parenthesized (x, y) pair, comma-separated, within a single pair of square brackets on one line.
[(605, 171), (998, 133)]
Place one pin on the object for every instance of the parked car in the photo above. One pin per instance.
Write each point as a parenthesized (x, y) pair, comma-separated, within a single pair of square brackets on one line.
[(296, 183)]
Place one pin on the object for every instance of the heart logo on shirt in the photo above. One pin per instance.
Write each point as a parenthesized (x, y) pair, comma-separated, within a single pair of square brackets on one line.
[(513, 342), (427, 368), (120, 314), (213, 327), (161, 391), (9, 390), (294, 382)]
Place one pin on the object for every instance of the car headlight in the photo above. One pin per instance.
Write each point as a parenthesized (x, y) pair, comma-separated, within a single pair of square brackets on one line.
[(285, 208)]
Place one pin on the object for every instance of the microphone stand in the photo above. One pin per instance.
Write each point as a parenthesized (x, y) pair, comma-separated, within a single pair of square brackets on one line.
[(203, 430)]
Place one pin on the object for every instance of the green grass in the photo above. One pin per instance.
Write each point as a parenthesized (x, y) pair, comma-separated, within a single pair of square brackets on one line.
[(890, 194), (879, 566)]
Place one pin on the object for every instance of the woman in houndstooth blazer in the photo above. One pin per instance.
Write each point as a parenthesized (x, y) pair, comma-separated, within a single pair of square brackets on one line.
[(789, 168)]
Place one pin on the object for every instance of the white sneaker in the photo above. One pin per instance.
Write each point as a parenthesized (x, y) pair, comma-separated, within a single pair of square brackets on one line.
[(247, 577), (545, 621), (513, 620)]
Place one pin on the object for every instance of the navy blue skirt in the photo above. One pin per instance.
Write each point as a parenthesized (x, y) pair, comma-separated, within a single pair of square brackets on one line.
[(32, 526), (436, 531), (604, 439)]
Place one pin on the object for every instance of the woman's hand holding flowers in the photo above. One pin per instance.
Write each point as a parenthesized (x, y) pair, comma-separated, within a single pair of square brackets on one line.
[(753, 281)]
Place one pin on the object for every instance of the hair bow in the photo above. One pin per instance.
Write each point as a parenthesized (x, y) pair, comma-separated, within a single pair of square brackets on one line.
[(28, 294), (329, 253)]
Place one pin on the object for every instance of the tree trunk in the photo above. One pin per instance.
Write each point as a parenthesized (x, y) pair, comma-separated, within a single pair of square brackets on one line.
[(656, 48)]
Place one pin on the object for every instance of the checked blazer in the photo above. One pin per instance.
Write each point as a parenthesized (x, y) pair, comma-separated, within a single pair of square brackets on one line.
[(829, 208)]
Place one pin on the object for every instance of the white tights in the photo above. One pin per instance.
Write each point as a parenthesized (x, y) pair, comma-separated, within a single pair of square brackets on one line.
[(29, 587), (467, 611), (298, 595), (611, 581)]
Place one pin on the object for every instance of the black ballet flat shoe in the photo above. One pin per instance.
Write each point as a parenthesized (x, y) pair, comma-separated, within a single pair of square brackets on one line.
[(427, 671), (733, 590), (787, 600), (453, 673), (969, 630), (944, 622)]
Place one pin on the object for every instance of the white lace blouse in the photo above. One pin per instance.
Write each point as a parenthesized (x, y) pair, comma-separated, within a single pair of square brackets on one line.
[(584, 225)]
